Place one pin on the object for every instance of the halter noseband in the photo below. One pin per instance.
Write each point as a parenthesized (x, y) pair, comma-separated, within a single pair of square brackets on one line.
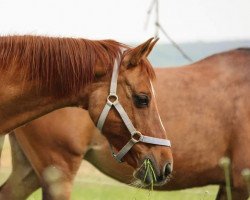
[(136, 136)]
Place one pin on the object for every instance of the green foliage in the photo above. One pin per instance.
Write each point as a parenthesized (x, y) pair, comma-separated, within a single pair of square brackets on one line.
[(246, 176), (98, 191), (149, 172), (225, 165)]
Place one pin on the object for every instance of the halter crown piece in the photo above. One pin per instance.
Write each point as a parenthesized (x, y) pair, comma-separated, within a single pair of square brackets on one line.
[(136, 136)]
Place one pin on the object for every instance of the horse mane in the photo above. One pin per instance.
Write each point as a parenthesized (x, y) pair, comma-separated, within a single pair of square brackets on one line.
[(60, 65)]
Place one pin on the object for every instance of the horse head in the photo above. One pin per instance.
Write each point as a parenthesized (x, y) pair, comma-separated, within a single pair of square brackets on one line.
[(123, 105)]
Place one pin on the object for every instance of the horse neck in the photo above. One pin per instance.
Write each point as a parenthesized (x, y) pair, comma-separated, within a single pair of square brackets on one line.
[(21, 103)]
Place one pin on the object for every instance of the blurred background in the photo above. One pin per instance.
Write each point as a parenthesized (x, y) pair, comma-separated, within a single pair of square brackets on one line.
[(200, 28), (189, 30)]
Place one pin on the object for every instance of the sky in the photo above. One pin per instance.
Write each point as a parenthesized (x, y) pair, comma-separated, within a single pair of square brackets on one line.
[(124, 20)]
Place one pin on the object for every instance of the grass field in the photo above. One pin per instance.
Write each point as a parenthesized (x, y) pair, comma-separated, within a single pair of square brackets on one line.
[(98, 191), (90, 184)]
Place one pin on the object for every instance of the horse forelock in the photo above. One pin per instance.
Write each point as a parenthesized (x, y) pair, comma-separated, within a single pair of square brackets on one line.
[(60, 65)]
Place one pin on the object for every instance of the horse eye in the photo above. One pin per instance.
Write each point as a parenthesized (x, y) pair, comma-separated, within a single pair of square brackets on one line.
[(141, 100)]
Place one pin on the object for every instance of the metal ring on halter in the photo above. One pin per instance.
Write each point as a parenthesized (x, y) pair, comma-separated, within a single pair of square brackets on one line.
[(136, 136), (114, 101)]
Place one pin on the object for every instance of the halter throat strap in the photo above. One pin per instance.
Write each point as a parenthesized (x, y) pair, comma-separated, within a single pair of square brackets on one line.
[(136, 136)]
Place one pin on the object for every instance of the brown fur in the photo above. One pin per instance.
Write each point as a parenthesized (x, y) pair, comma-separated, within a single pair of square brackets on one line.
[(29, 84), (54, 61), (205, 109)]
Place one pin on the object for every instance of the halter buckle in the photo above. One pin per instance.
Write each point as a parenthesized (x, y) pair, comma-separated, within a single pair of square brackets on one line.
[(112, 99), (136, 136)]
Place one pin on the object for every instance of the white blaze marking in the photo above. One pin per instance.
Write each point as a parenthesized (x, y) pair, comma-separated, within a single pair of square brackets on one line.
[(154, 94)]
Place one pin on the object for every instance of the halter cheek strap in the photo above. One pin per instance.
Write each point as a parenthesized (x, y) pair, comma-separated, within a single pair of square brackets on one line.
[(136, 136)]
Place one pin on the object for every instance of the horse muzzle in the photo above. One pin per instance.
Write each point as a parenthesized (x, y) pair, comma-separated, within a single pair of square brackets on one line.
[(150, 174)]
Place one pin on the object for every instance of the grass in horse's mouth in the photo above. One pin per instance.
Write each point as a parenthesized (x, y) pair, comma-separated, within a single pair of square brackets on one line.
[(149, 172), (148, 178)]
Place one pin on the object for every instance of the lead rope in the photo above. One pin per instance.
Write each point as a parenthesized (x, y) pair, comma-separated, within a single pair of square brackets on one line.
[(136, 136)]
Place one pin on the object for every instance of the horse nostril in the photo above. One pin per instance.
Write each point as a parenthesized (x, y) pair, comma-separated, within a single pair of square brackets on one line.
[(167, 169)]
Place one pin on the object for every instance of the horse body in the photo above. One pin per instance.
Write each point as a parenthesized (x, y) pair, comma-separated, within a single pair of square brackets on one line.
[(205, 111), (76, 141), (42, 74), (210, 119), (197, 115)]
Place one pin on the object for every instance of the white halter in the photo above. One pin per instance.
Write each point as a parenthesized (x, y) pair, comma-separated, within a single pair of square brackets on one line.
[(136, 136)]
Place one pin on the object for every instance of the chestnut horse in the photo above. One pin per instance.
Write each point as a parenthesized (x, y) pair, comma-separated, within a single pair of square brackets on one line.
[(205, 108), (41, 74)]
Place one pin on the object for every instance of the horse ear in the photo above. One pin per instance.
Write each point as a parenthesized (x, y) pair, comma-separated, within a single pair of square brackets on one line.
[(152, 44), (135, 55)]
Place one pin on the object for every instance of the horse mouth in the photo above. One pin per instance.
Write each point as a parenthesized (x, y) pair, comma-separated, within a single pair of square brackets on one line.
[(146, 176)]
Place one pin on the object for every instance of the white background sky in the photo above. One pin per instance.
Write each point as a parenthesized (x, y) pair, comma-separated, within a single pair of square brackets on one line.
[(123, 20)]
